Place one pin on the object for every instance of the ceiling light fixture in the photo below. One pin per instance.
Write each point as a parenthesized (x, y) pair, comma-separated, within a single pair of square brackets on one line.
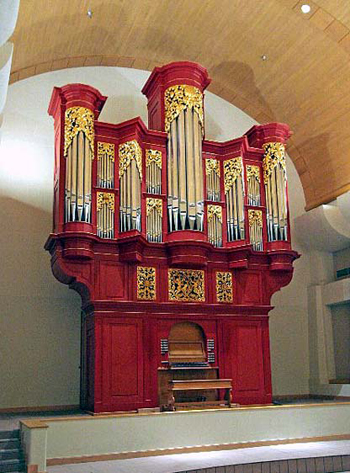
[(89, 13), (305, 8), (263, 57)]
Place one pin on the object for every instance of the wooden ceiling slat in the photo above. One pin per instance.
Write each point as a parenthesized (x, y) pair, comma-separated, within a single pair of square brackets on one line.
[(305, 81)]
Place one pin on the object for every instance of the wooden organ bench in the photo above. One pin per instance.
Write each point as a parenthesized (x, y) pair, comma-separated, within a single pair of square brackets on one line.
[(199, 385)]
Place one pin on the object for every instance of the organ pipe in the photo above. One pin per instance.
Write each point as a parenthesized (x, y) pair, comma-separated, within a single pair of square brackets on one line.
[(234, 194), (214, 219), (79, 153), (184, 124), (275, 181), (153, 171), (105, 165), (154, 211), (255, 229), (105, 214), (130, 177), (212, 171), (253, 185)]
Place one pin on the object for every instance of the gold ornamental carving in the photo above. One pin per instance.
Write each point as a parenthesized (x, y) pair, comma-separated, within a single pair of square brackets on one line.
[(253, 172), (255, 218), (105, 198), (127, 152), (274, 154), (78, 119), (224, 287), (105, 149), (146, 283), (179, 98), (154, 156), (156, 204), (212, 165), (214, 210), (186, 285), (232, 170)]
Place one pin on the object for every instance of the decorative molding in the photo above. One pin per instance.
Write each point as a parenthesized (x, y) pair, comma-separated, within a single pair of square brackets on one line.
[(179, 98), (214, 210), (253, 171), (255, 217), (154, 156), (186, 285), (78, 119), (127, 152), (212, 165), (224, 287), (156, 204), (105, 149), (232, 170), (274, 154), (146, 283), (105, 198)]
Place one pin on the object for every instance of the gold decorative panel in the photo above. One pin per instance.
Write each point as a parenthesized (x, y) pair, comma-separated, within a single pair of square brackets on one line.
[(78, 119), (274, 155), (128, 151), (232, 170), (180, 97), (146, 283), (186, 285), (224, 287), (255, 217)]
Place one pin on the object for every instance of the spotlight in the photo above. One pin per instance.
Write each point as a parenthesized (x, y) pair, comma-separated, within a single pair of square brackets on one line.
[(89, 13), (305, 8)]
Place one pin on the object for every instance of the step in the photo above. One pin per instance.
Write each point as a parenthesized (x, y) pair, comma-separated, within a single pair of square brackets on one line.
[(6, 444), (11, 465), (9, 434), (11, 454)]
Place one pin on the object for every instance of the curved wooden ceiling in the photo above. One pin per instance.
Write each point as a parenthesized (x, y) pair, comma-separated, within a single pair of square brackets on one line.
[(305, 81)]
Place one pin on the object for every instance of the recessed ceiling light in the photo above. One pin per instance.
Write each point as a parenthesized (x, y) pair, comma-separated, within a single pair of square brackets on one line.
[(89, 13), (305, 8), (263, 57)]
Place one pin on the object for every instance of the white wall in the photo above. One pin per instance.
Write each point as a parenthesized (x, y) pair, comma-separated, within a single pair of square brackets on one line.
[(40, 318)]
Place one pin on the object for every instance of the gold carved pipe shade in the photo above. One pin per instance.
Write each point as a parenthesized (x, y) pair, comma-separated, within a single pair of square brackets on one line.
[(186, 285), (146, 283), (78, 119), (181, 97), (128, 151), (274, 155)]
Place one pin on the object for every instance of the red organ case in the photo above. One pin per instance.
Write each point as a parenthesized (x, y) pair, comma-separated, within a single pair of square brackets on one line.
[(175, 243)]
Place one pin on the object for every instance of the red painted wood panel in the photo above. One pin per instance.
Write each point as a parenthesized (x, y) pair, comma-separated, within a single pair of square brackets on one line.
[(124, 354)]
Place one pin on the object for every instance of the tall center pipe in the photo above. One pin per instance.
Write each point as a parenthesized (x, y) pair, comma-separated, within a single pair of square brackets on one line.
[(175, 105)]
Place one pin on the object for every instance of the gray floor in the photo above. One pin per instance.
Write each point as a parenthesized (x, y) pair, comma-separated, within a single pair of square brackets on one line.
[(192, 461)]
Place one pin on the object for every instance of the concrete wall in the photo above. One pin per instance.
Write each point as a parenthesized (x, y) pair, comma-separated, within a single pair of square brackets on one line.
[(40, 318)]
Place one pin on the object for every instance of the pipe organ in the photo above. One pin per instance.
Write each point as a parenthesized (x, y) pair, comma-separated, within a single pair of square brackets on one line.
[(175, 243)]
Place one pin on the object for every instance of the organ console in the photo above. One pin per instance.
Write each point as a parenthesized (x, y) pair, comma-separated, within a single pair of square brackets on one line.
[(175, 243)]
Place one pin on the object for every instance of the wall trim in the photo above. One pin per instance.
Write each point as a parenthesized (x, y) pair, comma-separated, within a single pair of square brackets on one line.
[(198, 449), (67, 407)]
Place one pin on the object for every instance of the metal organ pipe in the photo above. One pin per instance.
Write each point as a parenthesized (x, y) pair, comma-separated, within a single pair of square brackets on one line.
[(79, 153), (275, 181), (184, 124), (234, 193), (130, 177)]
